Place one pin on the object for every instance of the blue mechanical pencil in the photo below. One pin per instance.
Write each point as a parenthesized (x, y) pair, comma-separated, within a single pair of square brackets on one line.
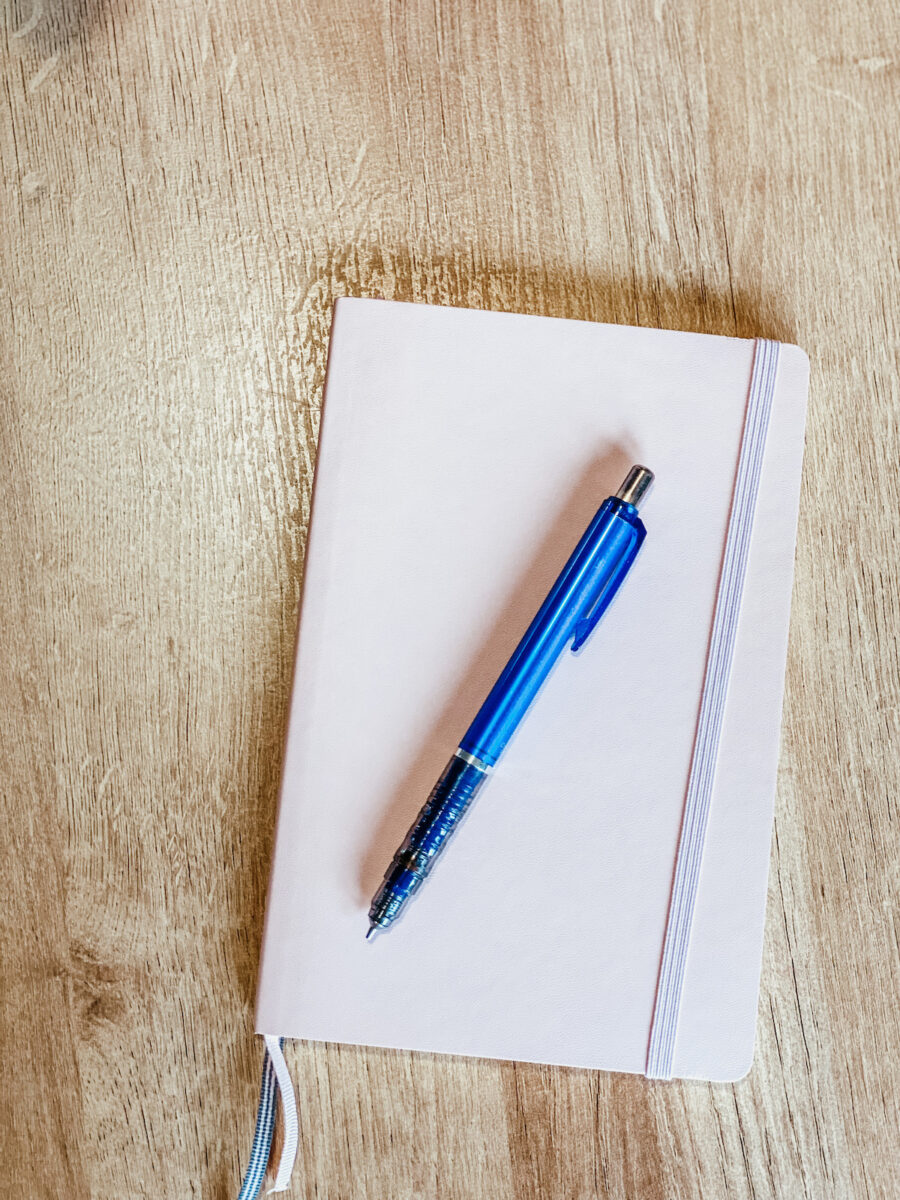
[(578, 599)]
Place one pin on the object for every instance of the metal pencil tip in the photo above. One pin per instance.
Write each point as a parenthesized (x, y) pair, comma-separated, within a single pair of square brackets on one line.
[(372, 929), (637, 483)]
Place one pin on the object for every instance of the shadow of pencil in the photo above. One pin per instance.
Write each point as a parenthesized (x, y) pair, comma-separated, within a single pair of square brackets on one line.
[(602, 476)]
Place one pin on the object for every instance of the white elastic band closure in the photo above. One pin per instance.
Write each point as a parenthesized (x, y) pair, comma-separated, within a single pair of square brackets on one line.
[(289, 1112), (694, 824)]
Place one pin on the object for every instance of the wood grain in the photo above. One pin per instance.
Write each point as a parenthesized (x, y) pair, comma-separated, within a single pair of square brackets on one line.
[(186, 189)]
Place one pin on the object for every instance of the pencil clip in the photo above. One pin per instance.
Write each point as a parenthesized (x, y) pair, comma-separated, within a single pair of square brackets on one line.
[(585, 625)]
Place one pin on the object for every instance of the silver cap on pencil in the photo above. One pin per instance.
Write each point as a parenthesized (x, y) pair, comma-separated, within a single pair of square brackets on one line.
[(637, 483)]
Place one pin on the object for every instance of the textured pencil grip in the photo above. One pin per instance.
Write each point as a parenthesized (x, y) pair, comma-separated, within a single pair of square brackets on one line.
[(441, 814)]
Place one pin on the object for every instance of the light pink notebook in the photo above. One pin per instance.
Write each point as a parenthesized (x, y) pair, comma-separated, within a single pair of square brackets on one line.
[(462, 455)]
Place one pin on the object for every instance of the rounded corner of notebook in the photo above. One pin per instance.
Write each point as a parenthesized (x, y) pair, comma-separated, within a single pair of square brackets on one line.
[(739, 1068), (792, 351)]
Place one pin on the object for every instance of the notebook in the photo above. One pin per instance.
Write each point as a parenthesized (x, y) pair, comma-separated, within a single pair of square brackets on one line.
[(462, 454)]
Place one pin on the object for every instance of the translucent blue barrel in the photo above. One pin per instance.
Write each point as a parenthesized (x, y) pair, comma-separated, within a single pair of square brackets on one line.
[(578, 599)]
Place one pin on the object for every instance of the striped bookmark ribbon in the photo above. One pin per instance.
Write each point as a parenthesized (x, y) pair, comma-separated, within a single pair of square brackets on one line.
[(695, 820), (276, 1079)]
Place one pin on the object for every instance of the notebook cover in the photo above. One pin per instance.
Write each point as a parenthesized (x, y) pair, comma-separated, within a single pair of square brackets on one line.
[(461, 456)]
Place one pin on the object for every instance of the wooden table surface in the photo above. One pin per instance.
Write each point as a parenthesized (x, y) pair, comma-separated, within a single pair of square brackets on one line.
[(186, 189)]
